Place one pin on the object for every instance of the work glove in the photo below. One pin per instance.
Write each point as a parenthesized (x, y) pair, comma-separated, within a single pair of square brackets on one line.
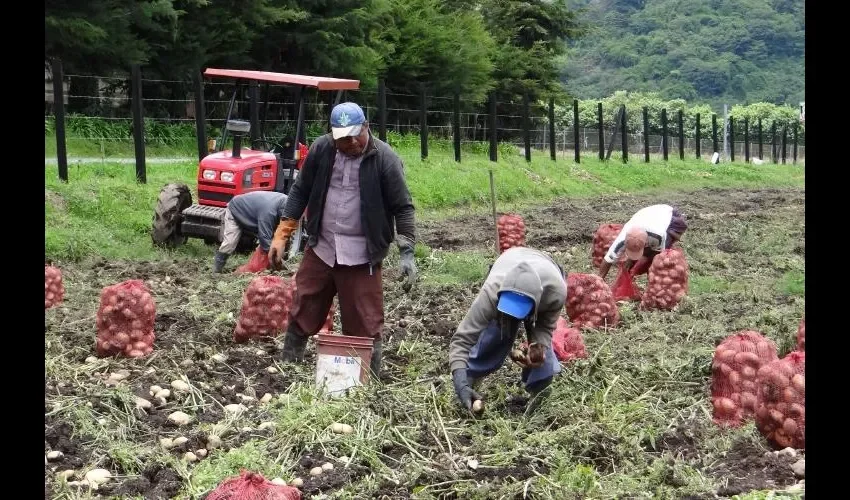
[(281, 236), (408, 263), (464, 391)]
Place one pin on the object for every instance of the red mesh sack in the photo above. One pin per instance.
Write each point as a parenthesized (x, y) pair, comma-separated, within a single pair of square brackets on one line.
[(602, 239), (511, 231), (567, 342), (736, 362), (801, 335), (252, 486), (265, 308), (624, 287), (54, 290), (259, 261), (125, 320), (590, 303), (781, 413), (668, 280), (328, 327)]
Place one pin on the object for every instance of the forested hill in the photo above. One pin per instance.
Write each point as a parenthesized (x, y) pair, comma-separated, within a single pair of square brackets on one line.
[(712, 51)]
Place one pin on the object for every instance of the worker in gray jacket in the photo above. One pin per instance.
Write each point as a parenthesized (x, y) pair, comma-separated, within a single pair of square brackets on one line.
[(523, 286), (256, 213)]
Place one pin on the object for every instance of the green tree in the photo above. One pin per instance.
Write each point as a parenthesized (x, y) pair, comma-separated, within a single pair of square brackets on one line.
[(447, 50)]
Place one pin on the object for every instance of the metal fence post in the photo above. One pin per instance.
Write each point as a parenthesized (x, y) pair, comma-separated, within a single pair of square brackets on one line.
[(664, 133), (552, 152), (423, 123), (382, 110), (601, 132), (138, 123), (576, 136), (699, 137), (59, 118), (646, 134)]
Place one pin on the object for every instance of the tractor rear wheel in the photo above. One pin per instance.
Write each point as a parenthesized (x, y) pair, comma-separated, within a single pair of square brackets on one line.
[(173, 199)]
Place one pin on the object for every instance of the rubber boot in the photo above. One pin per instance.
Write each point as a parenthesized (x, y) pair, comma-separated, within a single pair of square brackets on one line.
[(375, 363), (220, 260), (294, 345)]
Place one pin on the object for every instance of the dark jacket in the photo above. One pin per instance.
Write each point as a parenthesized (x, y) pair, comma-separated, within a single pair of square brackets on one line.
[(258, 213), (385, 202)]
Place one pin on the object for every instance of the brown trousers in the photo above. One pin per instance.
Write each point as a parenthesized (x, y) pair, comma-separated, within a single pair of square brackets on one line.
[(361, 297)]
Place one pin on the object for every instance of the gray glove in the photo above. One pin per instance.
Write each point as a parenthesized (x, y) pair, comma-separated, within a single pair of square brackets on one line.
[(408, 263), (464, 391)]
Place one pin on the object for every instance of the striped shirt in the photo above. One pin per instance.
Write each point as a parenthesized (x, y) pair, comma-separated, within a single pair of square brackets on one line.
[(342, 239)]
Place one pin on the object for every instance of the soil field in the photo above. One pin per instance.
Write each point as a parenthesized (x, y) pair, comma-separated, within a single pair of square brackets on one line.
[(631, 421)]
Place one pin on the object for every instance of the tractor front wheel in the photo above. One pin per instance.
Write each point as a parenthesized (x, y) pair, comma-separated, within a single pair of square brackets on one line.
[(173, 199)]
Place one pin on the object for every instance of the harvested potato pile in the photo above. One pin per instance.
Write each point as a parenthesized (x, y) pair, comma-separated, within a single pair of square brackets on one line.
[(737, 360), (668, 280), (125, 320), (265, 309), (602, 239), (781, 412), (54, 290), (590, 303), (511, 231)]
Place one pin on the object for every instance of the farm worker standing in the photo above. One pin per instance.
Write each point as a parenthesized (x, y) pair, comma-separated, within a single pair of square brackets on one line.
[(256, 213), (354, 190), (650, 230), (523, 286)]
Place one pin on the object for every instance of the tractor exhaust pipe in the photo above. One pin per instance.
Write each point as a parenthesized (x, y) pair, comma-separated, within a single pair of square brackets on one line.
[(238, 129)]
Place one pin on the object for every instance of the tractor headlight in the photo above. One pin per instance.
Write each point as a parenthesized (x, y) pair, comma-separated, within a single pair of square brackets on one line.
[(209, 174), (227, 176)]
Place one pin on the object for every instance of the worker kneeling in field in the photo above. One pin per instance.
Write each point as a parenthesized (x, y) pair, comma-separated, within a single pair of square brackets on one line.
[(353, 188), (649, 231), (256, 213), (523, 286)]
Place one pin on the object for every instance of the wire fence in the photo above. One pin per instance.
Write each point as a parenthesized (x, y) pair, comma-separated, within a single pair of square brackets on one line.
[(99, 120)]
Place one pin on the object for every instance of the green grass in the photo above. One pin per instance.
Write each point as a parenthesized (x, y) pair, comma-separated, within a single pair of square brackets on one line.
[(103, 211)]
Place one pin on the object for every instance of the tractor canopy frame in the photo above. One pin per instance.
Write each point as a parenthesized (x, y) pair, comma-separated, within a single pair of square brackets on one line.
[(301, 82)]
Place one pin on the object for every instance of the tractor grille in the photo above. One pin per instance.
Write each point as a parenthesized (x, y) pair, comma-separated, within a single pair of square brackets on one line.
[(212, 195)]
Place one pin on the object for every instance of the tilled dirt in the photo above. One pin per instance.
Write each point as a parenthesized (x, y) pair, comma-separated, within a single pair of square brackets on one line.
[(572, 222), (192, 324)]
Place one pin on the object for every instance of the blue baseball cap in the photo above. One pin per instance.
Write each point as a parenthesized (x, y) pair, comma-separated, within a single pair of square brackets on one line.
[(515, 304), (347, 120)]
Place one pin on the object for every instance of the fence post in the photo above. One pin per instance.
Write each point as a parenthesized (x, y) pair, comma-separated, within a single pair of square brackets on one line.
[(623, 129), (526, 127), (731, 139), (784, 141), (796, 126), (552, 128), (746, 140), (494, 144), (681, 135), (382, 110), (200, 115), (601, 132), (664, 133), (576, 137), (699, 138), (254, 109), (456, 125), (714, 132), (59, 118), (761, 153), (773, 142), (138, 122), (646, 134), (423, 123)]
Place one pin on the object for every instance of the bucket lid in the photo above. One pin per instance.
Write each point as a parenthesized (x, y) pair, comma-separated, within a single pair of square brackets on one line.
[(344, 340)]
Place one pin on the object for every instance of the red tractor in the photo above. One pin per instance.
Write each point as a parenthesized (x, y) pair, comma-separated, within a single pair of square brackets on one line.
[(265, 166)]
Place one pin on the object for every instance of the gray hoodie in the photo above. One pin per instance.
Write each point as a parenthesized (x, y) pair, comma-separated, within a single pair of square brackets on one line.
[(520, 269)]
